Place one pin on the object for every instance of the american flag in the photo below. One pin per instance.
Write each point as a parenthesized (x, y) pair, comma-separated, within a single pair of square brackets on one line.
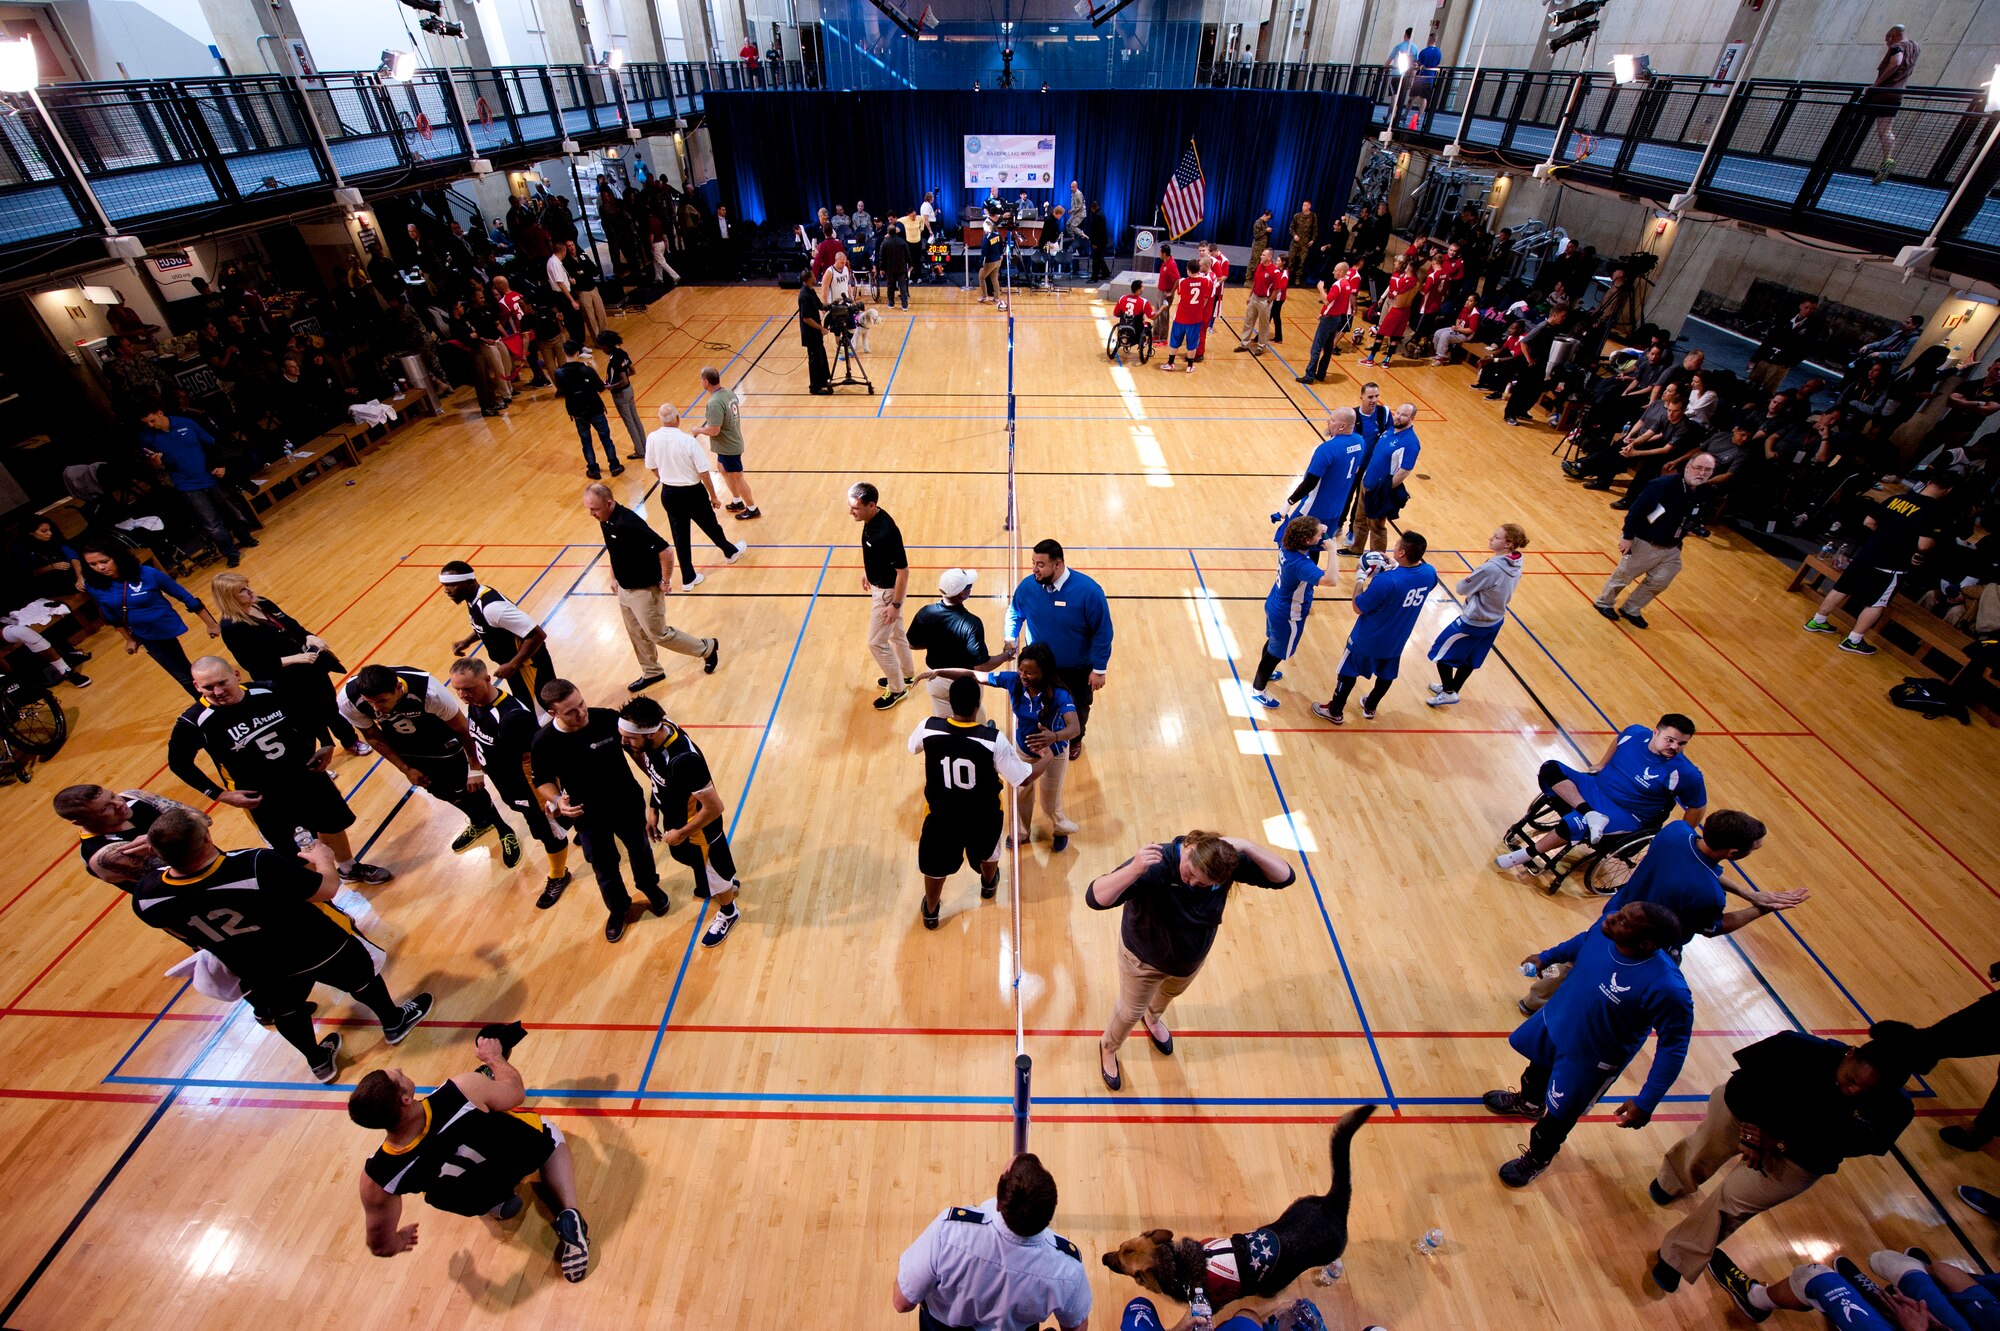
[(1185, 193)]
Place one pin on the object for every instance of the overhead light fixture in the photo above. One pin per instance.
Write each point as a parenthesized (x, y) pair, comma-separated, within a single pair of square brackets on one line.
[(439, 27), (1631, 68), (1574, 14), (1582, 32), (615, 61), (1402, 62), (101, 295), (19, 70), (397, 66)]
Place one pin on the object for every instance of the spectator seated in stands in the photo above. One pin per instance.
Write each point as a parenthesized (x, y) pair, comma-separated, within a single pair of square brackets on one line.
[(1656, 434), (1497, 371)]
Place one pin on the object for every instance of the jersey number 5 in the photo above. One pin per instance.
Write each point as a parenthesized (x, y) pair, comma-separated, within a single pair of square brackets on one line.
[(959, 774), (228, 924)]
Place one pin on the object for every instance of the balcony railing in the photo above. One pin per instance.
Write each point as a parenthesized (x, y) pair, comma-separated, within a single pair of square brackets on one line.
[(162, 157)]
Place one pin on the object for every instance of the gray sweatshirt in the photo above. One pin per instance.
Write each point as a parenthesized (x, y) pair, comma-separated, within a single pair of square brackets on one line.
[(1487, 589)]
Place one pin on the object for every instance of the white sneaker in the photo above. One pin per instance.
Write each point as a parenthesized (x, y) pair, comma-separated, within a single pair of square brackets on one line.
[(694, 582), (1513, 859), (1440, 698), (1064, 825), (741, 546), (1596, 823), (1435, 688)]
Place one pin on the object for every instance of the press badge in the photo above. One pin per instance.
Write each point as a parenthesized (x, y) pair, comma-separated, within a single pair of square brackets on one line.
[(1063, 604)]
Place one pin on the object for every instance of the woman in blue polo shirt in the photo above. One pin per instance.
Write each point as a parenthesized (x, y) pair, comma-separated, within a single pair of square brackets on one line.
[(1045, 721), (135, 601)]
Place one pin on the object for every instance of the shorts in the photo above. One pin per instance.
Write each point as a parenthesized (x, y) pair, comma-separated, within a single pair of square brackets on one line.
[(729, 461), (706, 851), (1395, 322), (312, 802), (1586, 785), (949, 840), (349, 968), (1383, 668), (1865, 586), (1464, 645), (1282, 634), (1184, 335)]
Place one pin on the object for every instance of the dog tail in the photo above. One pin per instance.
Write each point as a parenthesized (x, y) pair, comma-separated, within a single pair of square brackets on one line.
[(1343, 1134)]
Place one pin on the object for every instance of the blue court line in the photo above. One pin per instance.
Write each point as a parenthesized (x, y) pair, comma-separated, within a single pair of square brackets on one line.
[(660, 1034), (724, 371), (1288, 365), (157, 1019), (1305, 860), (907, 330), (572, 591), (1552, 661)]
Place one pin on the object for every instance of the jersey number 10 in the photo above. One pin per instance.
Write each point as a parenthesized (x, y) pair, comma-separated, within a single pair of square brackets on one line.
[(959, 774)]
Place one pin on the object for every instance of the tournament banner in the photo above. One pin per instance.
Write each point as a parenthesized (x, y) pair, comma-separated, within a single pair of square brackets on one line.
[(1013, 161)]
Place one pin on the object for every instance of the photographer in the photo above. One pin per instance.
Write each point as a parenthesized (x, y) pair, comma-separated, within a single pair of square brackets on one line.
[(812, 332)]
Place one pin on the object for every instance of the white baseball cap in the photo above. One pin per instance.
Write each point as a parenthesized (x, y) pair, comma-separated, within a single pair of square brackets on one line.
[(957, 581)]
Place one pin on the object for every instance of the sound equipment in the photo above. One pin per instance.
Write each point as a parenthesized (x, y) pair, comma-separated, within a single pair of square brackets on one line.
[(789, 281)]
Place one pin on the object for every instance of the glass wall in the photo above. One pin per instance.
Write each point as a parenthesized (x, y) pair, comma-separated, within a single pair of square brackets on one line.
[(1150, 44)]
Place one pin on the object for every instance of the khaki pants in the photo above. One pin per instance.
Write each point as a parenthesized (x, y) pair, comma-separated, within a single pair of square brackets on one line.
[(1723, 1209), (550, 351), (1764, 376), (1141, 989), (1658, 564), (1050, 784), (1257, 321), (1370, 533), (888, 643), (645, 611), (989, 280), (594, 321), (940, 691)]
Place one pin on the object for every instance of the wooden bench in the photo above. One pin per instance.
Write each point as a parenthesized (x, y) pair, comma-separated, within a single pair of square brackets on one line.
[(284, 478), (1909, 632)]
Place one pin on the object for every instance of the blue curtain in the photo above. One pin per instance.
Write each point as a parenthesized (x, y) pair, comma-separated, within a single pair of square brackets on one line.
[(781, 156)]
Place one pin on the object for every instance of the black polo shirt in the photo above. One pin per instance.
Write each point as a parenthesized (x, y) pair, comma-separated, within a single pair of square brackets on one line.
[(882, 552), (1171, 926), (950, 636), (634, 548), (1785, 1085), (589, 764)]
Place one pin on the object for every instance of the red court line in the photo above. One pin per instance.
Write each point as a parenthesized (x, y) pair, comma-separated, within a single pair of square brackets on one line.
[(364, 592), (1835, 751), (1630, 637), (110, 1097), (701, 337), (109, 906), (1810, 812)]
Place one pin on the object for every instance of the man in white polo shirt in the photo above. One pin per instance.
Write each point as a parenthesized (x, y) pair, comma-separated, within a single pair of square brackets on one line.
[(686, 492), (997, 1265)]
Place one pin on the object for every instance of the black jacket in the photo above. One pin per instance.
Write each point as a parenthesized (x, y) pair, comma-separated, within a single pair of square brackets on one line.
[(1662, 513), (894, 256)]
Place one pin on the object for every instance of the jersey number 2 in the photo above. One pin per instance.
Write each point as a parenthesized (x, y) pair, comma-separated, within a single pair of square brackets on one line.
[(228, 924), (959, 774)]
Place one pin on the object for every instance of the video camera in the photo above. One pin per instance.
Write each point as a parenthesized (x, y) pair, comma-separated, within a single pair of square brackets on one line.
[(840, 316)]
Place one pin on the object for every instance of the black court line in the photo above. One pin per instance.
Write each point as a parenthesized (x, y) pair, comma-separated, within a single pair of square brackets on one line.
[(1950, 1223)]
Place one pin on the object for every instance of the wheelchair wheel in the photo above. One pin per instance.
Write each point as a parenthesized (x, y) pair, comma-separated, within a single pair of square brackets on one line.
[(1111, 344), (31, 719), (1145, 346), (1607, 870)]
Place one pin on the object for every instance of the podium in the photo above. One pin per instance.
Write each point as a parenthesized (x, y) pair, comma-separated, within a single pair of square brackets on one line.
[(1146, 242)]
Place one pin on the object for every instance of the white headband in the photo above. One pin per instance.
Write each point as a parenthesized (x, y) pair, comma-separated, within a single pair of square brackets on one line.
[(629, 728), (457, 577)]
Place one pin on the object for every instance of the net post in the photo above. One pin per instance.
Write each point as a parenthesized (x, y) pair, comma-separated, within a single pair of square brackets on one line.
[(1024, 1068)]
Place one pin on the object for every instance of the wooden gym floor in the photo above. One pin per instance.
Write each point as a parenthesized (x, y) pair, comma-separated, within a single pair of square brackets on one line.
[(761, 1129)]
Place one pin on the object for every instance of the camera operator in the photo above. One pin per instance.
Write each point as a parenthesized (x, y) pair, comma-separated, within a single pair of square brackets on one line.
[(812, 333)]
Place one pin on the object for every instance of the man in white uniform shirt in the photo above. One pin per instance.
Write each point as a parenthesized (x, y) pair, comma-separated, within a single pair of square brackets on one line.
[(686, 492), (998, 1265)]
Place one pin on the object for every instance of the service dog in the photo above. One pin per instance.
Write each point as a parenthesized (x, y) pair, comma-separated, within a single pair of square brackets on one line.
[(1245, 1272)]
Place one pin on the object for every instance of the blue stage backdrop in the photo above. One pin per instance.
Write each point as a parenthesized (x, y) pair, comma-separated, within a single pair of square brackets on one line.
[(783, 155)]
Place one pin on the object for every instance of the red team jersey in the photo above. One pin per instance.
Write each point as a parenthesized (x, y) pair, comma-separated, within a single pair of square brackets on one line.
[(1265, 278), (1192, 299), (1170, 275), (1130, 304), (1340, 296)]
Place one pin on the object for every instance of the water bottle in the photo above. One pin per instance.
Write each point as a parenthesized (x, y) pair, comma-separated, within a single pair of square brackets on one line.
[(1531, 970), (1431, 1243), (1329, 1273), (303, 838), (1201, 1316)]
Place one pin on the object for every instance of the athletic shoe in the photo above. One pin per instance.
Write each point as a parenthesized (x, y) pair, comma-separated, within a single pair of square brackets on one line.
[(1699, 530), (989, 887), (1737, 1284), (751, 513), (572, 1246), (1523, 1169), (932, 915), (1858, 648), (882, 683), (510, 847), (552, 892), (1882, 171), (1367, 712), (1495, 397), (1277, 675), (1663, 1275), (694, 582), (77, 678), (1435, 688), (326, 1067), (1917, 1255), (1509, 1104), (1064, 825), (362, 749), (1818, 625), (890, 697), (712, 656), (1594, 824), (1606, 611), (1634, 618), (1441, 698), (719, 927), (1058, 844), (1244, 347), (1660, 1196), (413, 1012), (1263, 700), (74, 657), (508, 1209), (1369, 359), (1961, 1138), (1979, 1200), (372, 874), (741, 546), (471, 833), (734, 506), (1325, 713), (645, 682)]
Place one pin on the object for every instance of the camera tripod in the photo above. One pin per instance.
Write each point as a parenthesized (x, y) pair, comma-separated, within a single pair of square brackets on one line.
[(848, 365)]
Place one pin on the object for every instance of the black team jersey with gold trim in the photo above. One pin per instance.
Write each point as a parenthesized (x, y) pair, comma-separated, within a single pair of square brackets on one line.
[(964, 762), (253, 743), (468, 1159), (252, 908), (677, 769)]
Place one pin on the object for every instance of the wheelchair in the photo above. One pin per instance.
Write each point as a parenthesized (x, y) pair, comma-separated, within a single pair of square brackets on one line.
[(1604, 867), (1133, 331)]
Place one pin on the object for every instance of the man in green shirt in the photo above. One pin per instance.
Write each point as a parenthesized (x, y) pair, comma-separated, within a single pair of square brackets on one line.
[(722, 426)]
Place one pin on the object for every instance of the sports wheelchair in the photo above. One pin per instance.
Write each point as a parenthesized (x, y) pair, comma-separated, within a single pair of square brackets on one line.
[(1604, 866), (1131, 330)]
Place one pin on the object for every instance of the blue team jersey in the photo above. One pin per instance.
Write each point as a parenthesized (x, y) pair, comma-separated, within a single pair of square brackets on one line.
[(1646, 785), (1289, 602), (1032, 713), (1676, 875), (1335, 461), (1386, 610), (1609, 1003), (1396, 451)]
